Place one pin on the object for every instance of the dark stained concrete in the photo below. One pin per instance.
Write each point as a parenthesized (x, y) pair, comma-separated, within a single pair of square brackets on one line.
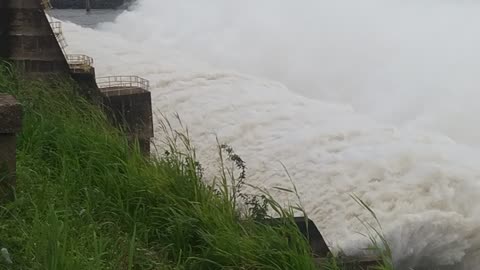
[(87, 83), (27, 39), (130, 108), (10, 124)]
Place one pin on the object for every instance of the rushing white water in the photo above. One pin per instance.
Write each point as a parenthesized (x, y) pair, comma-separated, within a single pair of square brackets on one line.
[(381, 102)]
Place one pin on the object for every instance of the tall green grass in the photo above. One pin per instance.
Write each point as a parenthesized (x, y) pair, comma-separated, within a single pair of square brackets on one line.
[(86, 199)]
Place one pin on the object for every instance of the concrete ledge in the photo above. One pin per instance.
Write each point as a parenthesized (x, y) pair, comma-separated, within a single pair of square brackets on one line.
[(10, 115)]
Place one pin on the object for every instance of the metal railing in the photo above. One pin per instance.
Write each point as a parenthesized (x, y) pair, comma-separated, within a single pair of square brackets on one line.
[(46, 4), (56, 27), (79, 62), (122, 81), (62, 42), (57, 30)]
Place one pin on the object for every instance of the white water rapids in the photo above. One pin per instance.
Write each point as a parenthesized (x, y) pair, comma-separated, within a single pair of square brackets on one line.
[(374, 98)]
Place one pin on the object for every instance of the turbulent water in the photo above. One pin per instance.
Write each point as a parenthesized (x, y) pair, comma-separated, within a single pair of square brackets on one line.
[(373, 98)]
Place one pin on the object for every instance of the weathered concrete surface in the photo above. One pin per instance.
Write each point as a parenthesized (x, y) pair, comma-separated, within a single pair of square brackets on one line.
[(10, 114), (10, 124), (27, 39), (100, 4), (86, 82), (131, 109)]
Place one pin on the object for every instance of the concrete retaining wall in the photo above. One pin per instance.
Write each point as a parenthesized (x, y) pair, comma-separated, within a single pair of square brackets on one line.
[(10, 124)]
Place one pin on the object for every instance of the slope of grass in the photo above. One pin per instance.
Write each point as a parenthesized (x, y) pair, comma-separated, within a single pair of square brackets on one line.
[(87, 200)]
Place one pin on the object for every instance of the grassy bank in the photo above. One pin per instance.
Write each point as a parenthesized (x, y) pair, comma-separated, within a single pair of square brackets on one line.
[(85, 200)]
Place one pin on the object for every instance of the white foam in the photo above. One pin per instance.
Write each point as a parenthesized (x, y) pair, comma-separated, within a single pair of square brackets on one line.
[(385, 105)]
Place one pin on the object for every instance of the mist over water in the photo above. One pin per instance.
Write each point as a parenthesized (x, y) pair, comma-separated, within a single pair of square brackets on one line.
[(399, 61), (375, 98)]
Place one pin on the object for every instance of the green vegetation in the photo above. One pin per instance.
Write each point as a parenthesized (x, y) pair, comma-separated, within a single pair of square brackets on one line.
[(86, 200)]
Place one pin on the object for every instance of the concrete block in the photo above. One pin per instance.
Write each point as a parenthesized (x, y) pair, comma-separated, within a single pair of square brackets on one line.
[(10, 115), (10, 124), (7, 167), (88, 86), (131, 109)]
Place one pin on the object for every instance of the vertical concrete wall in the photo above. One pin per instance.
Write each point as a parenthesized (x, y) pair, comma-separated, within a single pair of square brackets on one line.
[(5, 22), (131, 109), (27, 39), (10, 124), (87, 83)]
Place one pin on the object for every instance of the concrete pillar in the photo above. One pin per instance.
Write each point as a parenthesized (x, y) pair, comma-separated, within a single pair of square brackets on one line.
[(131, 109), (88, 85), (27, 39), (10, 124)]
